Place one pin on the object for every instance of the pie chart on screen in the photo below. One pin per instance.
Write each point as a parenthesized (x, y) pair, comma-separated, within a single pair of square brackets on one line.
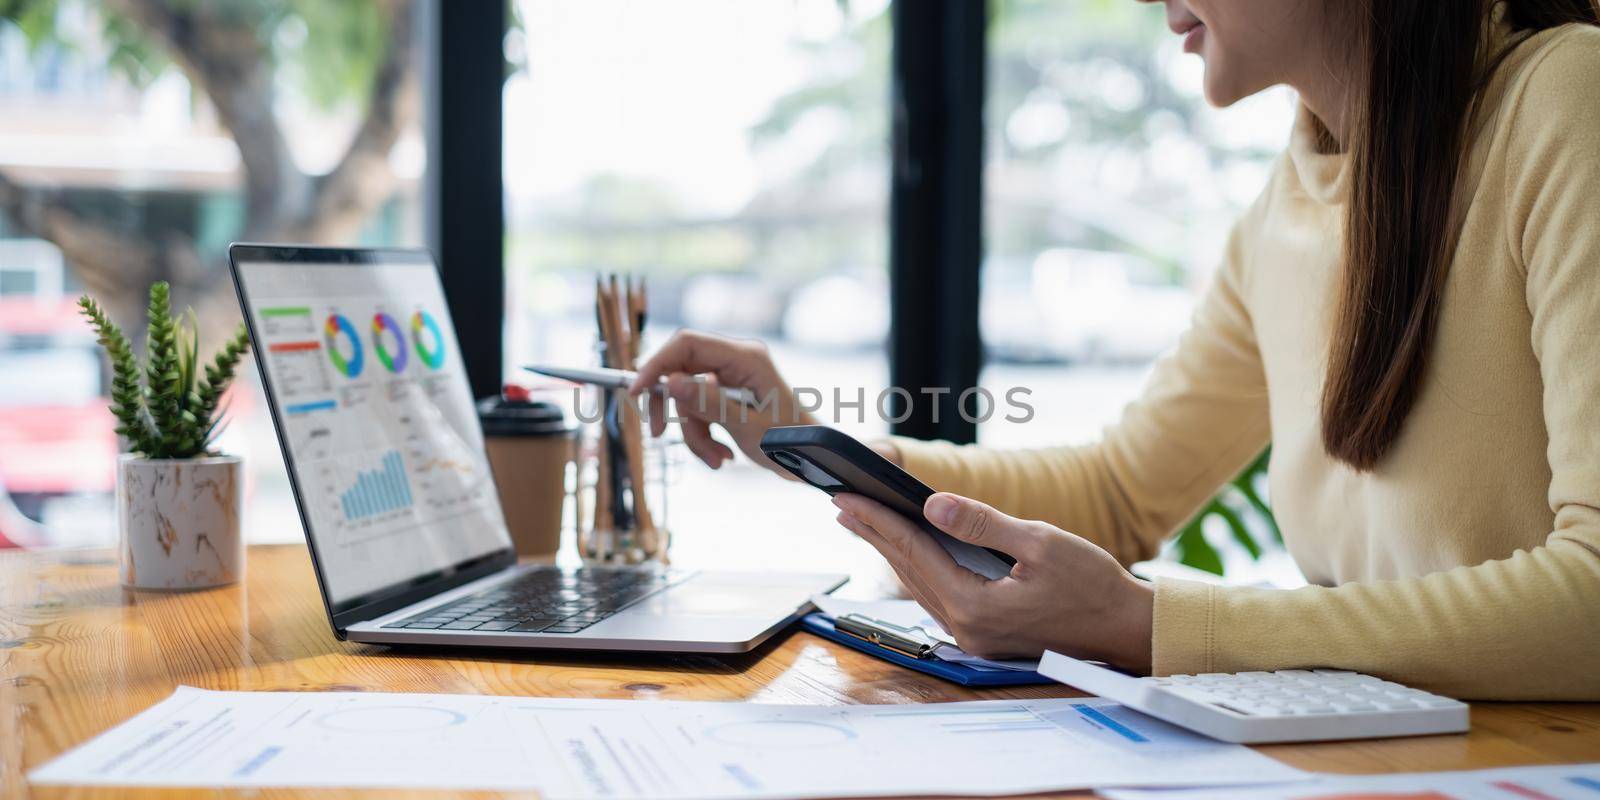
[(427, 339), (393, 356), (343, 345)]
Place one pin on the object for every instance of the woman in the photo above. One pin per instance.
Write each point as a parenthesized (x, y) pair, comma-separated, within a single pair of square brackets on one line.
[(1410, 314)]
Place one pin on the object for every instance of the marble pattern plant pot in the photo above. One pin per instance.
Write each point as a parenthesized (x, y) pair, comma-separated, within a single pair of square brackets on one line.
[(179, 522)]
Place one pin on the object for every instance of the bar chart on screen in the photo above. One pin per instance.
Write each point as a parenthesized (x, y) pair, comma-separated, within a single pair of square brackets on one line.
[(378, 491)]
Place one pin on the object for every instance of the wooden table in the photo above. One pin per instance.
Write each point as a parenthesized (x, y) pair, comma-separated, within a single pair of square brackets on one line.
[(79, 654)]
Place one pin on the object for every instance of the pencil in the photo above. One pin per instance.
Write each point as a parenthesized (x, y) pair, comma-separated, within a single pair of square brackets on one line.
[(632, 434), (638, 311), (602, 481)]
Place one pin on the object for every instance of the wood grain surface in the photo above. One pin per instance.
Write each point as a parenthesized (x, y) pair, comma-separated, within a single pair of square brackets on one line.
[(78, 654)]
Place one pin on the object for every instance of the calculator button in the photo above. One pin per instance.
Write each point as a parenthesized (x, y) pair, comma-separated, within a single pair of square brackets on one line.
[(1312, 708), (1361, 707)]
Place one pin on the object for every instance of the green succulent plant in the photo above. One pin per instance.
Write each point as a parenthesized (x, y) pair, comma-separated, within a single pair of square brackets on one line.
[(167, 409)]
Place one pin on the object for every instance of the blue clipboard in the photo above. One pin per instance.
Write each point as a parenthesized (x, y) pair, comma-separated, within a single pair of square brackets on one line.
[(821, 625)]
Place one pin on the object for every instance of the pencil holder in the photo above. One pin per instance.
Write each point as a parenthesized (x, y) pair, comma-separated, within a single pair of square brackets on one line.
[(611, 524)]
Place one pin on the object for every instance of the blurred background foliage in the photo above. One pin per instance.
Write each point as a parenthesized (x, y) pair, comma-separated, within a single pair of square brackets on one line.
[(244, 58), (1240, 513), (331, 51)]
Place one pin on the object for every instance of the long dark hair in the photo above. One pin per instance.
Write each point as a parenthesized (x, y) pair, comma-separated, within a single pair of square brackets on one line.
[(1407, 141)]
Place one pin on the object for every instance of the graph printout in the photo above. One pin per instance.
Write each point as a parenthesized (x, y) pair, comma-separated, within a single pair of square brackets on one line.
[(631, 749), (378, 419), (1563, 782)]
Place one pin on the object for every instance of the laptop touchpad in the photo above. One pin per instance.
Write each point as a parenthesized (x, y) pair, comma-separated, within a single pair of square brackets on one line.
[(708, 597)]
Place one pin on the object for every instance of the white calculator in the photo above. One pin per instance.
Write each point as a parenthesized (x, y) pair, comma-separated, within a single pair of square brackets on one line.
[(1291, 705)]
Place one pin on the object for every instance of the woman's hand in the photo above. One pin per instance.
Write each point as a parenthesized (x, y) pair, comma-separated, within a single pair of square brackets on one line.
[(728, 363), (1064, 593)]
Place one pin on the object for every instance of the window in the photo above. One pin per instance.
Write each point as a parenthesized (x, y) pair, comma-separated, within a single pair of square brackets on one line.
[(734, 154), (1110, 189), (120, 165)]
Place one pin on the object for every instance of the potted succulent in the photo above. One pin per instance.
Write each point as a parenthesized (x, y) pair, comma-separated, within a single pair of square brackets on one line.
[(178, 502)]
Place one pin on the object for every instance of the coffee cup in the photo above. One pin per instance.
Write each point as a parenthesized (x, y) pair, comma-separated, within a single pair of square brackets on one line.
[(530, 445)]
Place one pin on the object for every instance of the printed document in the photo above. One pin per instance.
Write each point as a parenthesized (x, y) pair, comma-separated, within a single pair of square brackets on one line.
[(1515, 783), (633, 749)]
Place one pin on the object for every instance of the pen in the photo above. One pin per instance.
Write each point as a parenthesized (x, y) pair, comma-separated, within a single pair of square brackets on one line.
[(622, 379)]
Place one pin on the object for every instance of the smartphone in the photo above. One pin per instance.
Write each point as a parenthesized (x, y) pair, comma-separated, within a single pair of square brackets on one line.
[(838, 464)]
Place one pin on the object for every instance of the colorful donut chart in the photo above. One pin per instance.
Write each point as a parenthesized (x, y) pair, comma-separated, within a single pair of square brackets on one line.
[(336, 325), (393, 360), (423, 321)]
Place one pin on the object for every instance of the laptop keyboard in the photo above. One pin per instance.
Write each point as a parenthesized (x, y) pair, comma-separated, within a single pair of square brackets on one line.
[(546, 600)]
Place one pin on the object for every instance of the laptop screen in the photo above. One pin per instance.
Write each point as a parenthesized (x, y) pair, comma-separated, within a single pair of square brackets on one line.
[(375, 415)]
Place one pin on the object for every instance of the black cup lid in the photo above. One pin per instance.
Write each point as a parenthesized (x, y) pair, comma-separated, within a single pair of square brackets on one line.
[(501, 417)]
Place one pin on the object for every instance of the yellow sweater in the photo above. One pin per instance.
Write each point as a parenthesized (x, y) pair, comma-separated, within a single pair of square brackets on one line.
[(1468, 562)]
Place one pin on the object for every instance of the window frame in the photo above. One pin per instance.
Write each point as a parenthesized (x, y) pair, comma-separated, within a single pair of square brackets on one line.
[(464, 194), (936, 215)]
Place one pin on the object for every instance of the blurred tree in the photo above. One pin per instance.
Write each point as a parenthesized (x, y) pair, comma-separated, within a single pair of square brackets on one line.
[(1083, 82), (232, 52), (830, 208), (1095, 59), (849, 77)]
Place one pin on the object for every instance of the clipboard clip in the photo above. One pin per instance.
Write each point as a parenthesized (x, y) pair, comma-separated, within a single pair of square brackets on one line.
[(914, 642)]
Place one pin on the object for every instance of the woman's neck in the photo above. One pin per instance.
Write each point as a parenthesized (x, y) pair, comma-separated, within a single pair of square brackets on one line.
[(1332, 136), (1325, 86)]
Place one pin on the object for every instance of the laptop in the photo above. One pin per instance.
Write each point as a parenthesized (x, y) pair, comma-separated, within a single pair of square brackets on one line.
[(364, 379)]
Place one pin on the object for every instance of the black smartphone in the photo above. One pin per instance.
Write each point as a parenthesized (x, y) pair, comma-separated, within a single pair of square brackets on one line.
[(838, 464)]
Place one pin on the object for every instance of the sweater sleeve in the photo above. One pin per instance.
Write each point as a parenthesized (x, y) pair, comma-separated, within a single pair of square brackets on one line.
[(1519, 628), (1201, 417)]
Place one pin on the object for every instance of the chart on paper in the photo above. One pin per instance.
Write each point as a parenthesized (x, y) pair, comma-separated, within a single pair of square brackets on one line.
[(1563, 782), (992, 747), (570, 749)]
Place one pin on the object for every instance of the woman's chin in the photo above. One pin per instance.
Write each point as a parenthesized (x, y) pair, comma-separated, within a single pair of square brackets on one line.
[(1217, 95), (1222, 91)]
